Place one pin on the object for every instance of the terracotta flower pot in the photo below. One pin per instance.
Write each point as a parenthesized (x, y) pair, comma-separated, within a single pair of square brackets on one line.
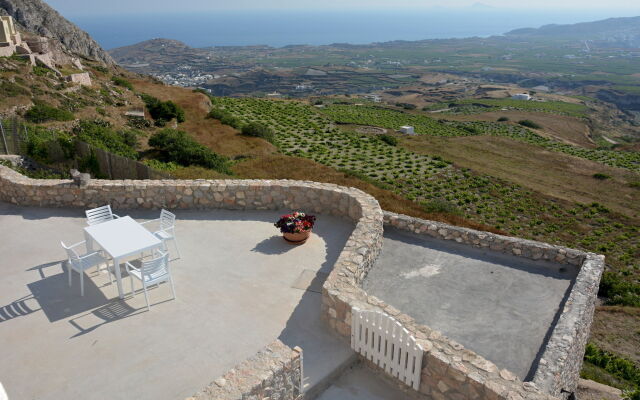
[(297, 238)]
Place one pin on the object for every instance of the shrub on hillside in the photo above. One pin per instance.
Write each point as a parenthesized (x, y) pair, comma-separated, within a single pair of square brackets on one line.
[(176, 146), (619, 291), (163, 110), (530, 124), (440, 207), (601, 176), (503, 119), (43, 112), (258, 130), (122, 82), (42, 144), (225, 117), (100, 134), (406, 106), (390, 140)]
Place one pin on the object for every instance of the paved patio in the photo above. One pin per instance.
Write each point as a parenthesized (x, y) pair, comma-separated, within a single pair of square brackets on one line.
[(500, 306), (239, 287)]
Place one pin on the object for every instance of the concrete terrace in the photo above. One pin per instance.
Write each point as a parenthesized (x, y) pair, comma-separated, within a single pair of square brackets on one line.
[(500, 306), (239, 287)]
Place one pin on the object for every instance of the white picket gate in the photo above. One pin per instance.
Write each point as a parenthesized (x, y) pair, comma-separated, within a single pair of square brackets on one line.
[(385, 342)]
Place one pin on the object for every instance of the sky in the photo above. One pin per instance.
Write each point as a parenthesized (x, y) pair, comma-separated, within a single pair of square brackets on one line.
[(85, 7)]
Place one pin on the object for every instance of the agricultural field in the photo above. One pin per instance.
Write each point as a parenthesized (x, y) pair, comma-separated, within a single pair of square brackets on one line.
[(425, 125), (552, 107), (565, 129), (436, 184)]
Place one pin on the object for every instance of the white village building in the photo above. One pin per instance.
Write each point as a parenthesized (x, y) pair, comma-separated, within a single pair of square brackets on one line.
[(521, 96)]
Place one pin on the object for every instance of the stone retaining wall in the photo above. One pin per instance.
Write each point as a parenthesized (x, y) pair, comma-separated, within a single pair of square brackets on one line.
[(275, 373), (449, 370)]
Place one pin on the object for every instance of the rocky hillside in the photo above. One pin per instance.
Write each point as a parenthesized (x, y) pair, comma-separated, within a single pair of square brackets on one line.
[(38, 17)]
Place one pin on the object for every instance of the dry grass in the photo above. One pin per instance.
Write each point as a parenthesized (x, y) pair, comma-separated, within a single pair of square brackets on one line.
[(548, 172), (566, 129), (617, 329), (220, 138), (284, 167)]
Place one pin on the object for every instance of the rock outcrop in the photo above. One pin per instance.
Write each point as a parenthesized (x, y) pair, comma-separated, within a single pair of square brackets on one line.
[(38, 17)]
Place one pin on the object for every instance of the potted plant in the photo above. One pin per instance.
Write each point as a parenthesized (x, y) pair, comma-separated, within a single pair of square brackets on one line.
[(296, 227)]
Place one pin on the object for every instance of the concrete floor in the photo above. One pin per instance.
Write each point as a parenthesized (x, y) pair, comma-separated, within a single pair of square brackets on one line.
[(499, 306), (360, 383), (234, 296)]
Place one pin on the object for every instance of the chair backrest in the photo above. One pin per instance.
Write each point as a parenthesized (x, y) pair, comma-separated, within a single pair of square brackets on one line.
[(74, 258), (167, 219), (156, 266), (99, 215)]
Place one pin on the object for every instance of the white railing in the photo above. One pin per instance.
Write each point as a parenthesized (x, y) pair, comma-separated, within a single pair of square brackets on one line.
[(382, 340)]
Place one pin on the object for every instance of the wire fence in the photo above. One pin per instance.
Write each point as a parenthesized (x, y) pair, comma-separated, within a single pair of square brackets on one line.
[(14, 136), (103, 164)]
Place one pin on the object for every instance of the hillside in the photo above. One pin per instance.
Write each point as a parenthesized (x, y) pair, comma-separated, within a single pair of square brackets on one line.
[(616, 30), (38, 17), (151, 50)]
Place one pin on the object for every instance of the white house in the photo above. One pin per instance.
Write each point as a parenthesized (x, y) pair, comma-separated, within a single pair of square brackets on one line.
[(521, 96), (407, 130)]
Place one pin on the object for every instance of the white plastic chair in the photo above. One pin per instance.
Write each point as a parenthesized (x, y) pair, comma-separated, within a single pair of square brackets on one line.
[(99, 215), (151, 272), (81, 263), (166, 231)]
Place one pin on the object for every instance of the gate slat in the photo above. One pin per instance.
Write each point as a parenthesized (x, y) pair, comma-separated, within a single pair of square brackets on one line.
[(384, 341)]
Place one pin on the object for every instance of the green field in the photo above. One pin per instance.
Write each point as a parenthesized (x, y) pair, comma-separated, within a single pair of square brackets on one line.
[(302, 131), (425, 125)]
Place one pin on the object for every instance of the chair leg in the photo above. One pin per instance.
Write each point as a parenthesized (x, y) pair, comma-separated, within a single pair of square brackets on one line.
[(109, 273), (131, 280), (173, 290), (81, 283), (175, 242), (146, 297), (69, 271)]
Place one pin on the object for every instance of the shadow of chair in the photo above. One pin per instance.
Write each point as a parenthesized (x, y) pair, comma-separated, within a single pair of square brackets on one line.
[(57, 300), (113, 311), (17, 308)]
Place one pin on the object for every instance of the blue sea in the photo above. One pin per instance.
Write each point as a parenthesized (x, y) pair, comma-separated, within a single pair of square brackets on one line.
[(281, 28)]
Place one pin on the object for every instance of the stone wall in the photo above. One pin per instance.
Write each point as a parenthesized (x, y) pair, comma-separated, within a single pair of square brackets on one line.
[(449, 370), (275, 373)]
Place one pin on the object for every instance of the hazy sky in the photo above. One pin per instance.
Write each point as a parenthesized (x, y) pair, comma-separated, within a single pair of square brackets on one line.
[(89, 7)]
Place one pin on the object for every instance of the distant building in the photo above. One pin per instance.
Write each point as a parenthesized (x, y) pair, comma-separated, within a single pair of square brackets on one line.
[(274, 95), (408, 130), (521, 96), (10, 38), (373, 97)]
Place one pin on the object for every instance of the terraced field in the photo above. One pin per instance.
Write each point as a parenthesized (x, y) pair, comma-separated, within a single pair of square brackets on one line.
[(439, 186), (393, 119)]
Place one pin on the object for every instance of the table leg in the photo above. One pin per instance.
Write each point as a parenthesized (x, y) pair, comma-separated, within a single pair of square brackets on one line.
[(116, 266), (89, 242)]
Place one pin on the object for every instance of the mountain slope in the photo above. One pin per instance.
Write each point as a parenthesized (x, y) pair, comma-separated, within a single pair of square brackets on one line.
[(612, 29), (38, 17)]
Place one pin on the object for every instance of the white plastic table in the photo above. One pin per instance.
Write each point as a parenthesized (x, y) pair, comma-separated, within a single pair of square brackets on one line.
[(121, 238)]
